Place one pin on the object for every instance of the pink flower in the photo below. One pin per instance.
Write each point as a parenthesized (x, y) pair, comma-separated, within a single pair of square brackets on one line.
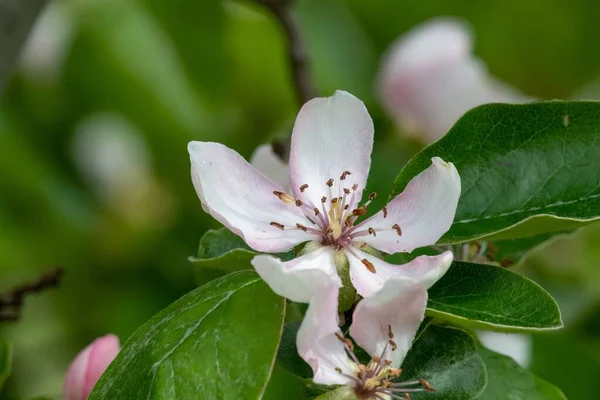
[(88, 366), (430, 78), (329, 163), (384, 325)]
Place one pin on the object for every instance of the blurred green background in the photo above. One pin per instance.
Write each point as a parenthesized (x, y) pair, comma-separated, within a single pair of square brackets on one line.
[(95, 173)]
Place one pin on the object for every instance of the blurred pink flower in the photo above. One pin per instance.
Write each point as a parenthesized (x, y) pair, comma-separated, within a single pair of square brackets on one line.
[(430, 78), (88, 366)]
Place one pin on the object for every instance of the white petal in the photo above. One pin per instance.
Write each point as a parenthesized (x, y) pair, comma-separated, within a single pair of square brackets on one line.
[(399, 306), (425, 270), (514, 345), (331, 135), (301, 278), (424, 211), (317, 343), (242, 199), (430, 78), (266, 161)]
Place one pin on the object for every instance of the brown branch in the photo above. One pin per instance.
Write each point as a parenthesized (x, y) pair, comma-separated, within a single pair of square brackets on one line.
[(305, 89), (12, 301)]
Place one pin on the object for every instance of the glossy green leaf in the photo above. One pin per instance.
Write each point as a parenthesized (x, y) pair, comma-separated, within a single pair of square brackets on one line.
[(223, 250), (490, 297), (525, 169), (447, 357), (509, 252), (507, 380), (217, 342), (5, 361)]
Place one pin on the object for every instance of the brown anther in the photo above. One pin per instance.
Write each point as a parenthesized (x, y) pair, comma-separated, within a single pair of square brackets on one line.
[(283, 196), (364, 245), (346, 341), (346, 191), (333, 201), (355, 186), (389, 362), (426, 385), (393, 344), (372, 196), (384, 212), (372, 231), (323, 199), (338, 370), (345, 174), (300, 226), (348, 222), (375, 359), (303, 188), (346, 206), (394, 373), (362, 210), (329, 182), (369, 265), (329, 230), (276, 225), (396, 227), (390, 333), (299, 203), (316, 210)]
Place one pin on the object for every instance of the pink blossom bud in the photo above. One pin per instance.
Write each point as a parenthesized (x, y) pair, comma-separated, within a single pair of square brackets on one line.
[(88, 366)]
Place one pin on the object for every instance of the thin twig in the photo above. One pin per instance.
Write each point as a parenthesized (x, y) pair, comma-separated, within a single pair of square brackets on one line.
[(305, 89), (12, 301)]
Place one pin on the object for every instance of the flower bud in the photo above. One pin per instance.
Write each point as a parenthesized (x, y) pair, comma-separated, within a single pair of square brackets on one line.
[(88, 366)]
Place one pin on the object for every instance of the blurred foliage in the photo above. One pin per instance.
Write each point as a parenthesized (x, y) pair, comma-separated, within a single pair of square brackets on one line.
[(120, 214)]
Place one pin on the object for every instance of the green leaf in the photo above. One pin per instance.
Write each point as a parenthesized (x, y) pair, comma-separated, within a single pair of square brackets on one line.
[(5, 361), (526, 168), (217, 342), (509, 252), (507, 380), (447, 357), (489, 297), (287, 354), (223, 250)]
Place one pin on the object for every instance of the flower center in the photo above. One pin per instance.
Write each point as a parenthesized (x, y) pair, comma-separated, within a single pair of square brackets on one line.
[(333, 221), (375, 380)]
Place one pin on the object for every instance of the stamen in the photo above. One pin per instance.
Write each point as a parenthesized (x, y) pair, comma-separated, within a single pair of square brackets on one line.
[(323, 199), (346, 191), (329, 182), (303, 188), (369, 266), (372, 231), (362, 210), (384, 212), (348, 222), (393, 344), (277, 225), (316, 210), (396, 227), (426, 385), (283, 196), (372, 196), (300, 226), (346, 341), (390, 333), (345, 174), (355, 186), (346, 206), (333, 201), (299, 203)]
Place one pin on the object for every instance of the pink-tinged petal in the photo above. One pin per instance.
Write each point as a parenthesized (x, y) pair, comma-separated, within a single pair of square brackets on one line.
[(317, 342), (430, 78), (421, 214), (425, 270), (270, 164), (398, 307), (301, 278), (331, 135), (242, 199), (88, 366)]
